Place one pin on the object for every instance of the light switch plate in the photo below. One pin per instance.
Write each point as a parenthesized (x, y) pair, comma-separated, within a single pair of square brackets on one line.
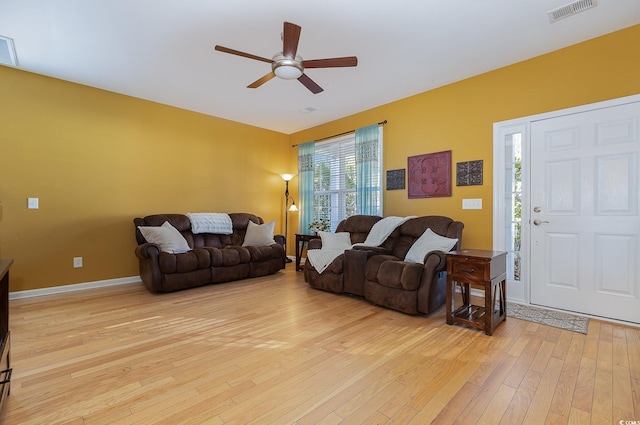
[(33, 203), (472, 204)]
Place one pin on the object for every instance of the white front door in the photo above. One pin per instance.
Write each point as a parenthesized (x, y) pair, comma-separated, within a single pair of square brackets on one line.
[(584, 222)]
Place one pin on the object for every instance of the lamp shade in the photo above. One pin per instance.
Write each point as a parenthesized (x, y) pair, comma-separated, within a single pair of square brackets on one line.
[(287, 177)]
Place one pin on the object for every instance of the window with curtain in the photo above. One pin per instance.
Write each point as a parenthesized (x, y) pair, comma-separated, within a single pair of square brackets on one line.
[(338, 175)]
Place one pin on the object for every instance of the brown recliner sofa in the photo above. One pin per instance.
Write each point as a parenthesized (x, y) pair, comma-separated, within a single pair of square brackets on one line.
[(211, 258), (383, 277), (407, 286), (333, 279)]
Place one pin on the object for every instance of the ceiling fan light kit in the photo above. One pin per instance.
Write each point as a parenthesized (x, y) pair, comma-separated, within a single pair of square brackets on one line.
[(286, 68), (290, 66)]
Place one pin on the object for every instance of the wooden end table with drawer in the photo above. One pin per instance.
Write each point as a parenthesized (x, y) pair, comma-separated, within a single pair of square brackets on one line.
[(301, 239), (479, 268)]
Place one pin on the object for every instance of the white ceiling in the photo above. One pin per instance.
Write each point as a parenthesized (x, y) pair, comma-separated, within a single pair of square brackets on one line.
[(162, 50)]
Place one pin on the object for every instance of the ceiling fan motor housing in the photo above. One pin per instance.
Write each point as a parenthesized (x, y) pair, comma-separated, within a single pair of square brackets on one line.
[(287, 68)]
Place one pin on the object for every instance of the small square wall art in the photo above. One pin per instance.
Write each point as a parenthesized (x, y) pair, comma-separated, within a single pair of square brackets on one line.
[(469, 173), (395, 179)]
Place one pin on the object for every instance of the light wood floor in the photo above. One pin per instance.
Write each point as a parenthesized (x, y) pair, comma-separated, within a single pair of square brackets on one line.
[(274, 351)]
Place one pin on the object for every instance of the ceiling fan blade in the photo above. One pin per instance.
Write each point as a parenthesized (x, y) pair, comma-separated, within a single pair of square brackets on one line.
[(243, 54), (290, 40), (260, 81), (310, 84), (331, 62)]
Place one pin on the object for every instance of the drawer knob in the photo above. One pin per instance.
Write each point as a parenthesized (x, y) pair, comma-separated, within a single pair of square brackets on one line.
[(466, 270)]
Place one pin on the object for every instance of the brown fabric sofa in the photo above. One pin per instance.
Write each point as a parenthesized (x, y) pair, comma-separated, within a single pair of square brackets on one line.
[(212, 258), (381, 275)]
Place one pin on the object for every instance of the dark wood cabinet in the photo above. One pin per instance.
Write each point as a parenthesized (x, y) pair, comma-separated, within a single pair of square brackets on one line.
[(5, 337)]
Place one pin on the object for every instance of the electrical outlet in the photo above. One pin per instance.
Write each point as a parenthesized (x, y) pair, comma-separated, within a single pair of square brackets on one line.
[(77, 262)]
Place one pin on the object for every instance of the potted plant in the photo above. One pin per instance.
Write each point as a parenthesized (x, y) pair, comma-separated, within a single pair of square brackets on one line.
[(319, 224)]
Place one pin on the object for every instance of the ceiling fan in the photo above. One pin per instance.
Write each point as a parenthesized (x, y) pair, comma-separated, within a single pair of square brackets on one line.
[(288, 64)]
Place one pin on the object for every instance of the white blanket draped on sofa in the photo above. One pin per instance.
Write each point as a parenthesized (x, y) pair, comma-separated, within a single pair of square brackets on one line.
[(320, 259), (218, 223)]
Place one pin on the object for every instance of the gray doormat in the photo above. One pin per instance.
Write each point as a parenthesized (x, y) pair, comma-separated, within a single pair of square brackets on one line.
[(553, 318)]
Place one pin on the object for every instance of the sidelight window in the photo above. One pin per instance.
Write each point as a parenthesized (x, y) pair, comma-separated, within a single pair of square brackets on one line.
[(513, 204)]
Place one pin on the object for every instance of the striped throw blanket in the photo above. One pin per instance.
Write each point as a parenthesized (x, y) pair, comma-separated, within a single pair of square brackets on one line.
[(219, 223)]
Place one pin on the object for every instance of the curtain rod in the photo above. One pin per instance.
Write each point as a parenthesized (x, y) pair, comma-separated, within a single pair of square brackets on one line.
[(341, 134)]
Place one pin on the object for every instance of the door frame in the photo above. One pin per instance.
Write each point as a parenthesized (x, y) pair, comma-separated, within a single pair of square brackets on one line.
[(520, 292)]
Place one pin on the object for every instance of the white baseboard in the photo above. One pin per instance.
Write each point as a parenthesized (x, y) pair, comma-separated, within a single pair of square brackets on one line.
[(70, 288)]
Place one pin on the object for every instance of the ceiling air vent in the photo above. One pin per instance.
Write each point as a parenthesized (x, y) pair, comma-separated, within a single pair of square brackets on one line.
[(7, 52), (571, 9)]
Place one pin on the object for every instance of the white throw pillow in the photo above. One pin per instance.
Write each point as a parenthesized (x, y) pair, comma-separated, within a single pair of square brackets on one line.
[(166, 236), (259, 234), (429, 241), (338, 241)]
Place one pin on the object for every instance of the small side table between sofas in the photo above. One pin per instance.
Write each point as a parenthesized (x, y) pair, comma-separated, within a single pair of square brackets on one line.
[(5, 335), (301, 239), (487, 269)]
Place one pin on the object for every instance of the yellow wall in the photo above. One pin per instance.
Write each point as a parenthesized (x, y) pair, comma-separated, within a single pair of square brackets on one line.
[(459, 117), (96, 160)]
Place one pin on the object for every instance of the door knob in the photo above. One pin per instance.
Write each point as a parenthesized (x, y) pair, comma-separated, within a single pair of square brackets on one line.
[(537, 209), (539, 222)]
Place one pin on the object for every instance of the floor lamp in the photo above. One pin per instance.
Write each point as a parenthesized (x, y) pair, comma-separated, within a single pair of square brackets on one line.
[(287, 178)]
